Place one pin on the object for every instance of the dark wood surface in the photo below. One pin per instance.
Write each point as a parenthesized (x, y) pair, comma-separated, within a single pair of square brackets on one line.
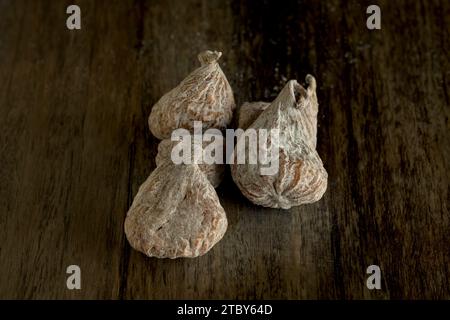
[(74, 147)]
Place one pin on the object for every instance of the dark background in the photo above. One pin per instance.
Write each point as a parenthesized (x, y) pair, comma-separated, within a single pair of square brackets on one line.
[(75, 146)]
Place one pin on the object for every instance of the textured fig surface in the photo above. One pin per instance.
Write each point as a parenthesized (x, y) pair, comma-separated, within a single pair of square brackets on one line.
[(301, 177), (249, 112), (204, 95), (214, 172), (176, 213)]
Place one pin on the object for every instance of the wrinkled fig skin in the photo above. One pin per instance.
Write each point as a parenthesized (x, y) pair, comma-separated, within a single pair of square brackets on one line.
[(204, 95), (249, 112), (176, 213), (301, 177), (214, 172)]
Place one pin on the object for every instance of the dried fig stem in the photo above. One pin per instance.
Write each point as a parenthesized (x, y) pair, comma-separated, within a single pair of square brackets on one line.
[(207, 57), (306, 101)]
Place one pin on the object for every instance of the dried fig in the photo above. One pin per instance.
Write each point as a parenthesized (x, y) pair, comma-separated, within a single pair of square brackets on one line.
[(249, 112), (301, 177), (204, 95), (176, 213), (213, 171)]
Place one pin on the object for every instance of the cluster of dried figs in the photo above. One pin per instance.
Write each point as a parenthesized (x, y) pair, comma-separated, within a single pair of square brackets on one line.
[(176, 212)]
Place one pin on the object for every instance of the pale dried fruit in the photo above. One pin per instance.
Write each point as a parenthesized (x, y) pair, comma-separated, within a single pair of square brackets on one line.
[(249, 112), (204, 95), (214, 171), (301, 177), (176, 213)]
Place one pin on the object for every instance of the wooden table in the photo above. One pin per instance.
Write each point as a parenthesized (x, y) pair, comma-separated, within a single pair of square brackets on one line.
[(75, 147)]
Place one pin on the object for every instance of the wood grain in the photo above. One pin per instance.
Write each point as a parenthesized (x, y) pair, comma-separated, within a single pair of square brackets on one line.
[(75, 147)]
